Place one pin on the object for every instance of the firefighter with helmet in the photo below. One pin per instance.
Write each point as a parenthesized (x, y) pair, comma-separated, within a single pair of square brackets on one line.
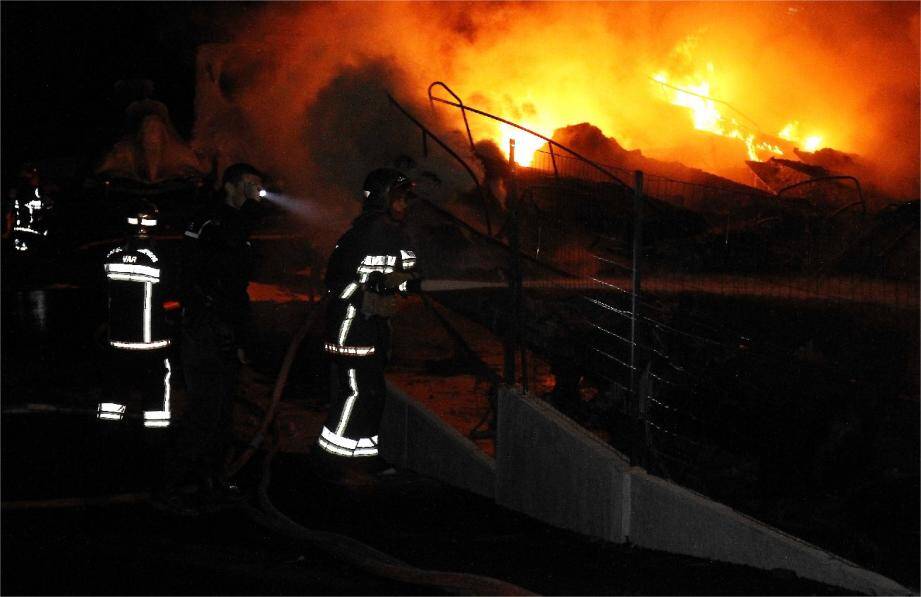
[(137, 337), (371, 264), (31, 207)]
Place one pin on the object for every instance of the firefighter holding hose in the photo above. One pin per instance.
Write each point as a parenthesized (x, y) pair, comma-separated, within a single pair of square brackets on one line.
[(370, 267)]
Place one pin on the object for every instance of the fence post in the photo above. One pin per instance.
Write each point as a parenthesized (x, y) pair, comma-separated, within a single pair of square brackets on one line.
[(639, 409), (513, 334)]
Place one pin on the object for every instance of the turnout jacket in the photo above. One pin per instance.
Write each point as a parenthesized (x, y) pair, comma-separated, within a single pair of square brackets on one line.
[(135, 277), (216, 267), (374, 245)]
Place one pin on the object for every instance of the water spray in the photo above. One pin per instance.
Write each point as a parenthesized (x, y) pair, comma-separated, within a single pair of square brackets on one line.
[(454, 285)]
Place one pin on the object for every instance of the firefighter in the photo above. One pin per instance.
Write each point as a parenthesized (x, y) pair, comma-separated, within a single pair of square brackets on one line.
[(137, 337), (30, 210), (216, 263), (371, 264)]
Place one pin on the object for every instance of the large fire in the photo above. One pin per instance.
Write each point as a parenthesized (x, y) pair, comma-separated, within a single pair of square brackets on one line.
[(707, 84), (707, 112)]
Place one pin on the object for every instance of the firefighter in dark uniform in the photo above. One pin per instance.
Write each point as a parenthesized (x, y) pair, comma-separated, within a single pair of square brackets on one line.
[(31, 207), (216, 264), (140, 367), (371, 264)]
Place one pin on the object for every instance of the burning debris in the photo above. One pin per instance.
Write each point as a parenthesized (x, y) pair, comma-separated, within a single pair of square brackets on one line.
[(691, 96)]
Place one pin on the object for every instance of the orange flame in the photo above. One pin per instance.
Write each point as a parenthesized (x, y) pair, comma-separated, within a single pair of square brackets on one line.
[(707, 116), (791, 133)]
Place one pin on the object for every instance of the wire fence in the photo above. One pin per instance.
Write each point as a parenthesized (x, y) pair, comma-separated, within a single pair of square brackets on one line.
[(751, 345), (691, 395)]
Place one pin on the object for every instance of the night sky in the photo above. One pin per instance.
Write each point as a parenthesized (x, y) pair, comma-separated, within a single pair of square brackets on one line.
[(62, 60)]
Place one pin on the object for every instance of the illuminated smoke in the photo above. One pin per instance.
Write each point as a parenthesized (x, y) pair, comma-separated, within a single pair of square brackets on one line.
[(308, 211), (300, 92)]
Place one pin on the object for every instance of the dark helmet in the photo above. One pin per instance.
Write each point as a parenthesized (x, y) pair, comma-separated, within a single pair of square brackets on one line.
[(380, 184), (143, 218)]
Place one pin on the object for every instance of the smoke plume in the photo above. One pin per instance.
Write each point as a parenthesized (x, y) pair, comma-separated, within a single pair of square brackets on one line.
[(301, 89)]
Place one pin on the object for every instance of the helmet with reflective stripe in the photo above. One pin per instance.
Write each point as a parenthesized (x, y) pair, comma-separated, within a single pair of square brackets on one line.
[(379, 187), (143, 218)]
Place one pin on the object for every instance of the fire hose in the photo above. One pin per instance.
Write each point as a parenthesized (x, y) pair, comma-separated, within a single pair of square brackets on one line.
[(345, 548), (342, 547)]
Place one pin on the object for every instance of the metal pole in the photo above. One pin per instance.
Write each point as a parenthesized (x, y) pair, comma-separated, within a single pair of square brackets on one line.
[(556, 172), (639, 434), (637, 250), (511, 337)]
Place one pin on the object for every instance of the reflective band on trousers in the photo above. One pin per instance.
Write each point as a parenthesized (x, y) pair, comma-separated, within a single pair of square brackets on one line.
[(350, 313), (110, 411), (343, 446), (139, 345), (355, 351), (349, 403), (161, 418)]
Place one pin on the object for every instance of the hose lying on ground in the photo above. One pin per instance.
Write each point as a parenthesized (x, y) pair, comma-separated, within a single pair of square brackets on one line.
[(367, 558), (277, 391), (342, 547), (78, 502)]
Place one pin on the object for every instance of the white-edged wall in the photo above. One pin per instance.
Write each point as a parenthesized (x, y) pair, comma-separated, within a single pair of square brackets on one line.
[(550, 468)]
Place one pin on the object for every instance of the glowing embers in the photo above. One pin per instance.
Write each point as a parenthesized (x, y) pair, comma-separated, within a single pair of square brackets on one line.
[(110, 411)]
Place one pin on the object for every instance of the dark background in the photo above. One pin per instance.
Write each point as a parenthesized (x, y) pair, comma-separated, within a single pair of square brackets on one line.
[(60, 63)]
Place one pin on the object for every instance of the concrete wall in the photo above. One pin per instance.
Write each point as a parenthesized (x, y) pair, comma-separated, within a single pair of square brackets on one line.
[(554, 470), (414, 438), (671, 518)]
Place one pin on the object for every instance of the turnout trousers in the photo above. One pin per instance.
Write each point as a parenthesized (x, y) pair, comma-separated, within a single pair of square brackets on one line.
[(138, 381), (211, 371), (357, 391)]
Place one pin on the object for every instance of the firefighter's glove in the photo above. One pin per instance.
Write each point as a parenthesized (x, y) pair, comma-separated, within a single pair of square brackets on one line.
[(380, 305), (403, 282)]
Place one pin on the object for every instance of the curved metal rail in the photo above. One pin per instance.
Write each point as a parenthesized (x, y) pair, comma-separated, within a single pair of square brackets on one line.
[(550, 142), (862, 201), (427, 133)]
